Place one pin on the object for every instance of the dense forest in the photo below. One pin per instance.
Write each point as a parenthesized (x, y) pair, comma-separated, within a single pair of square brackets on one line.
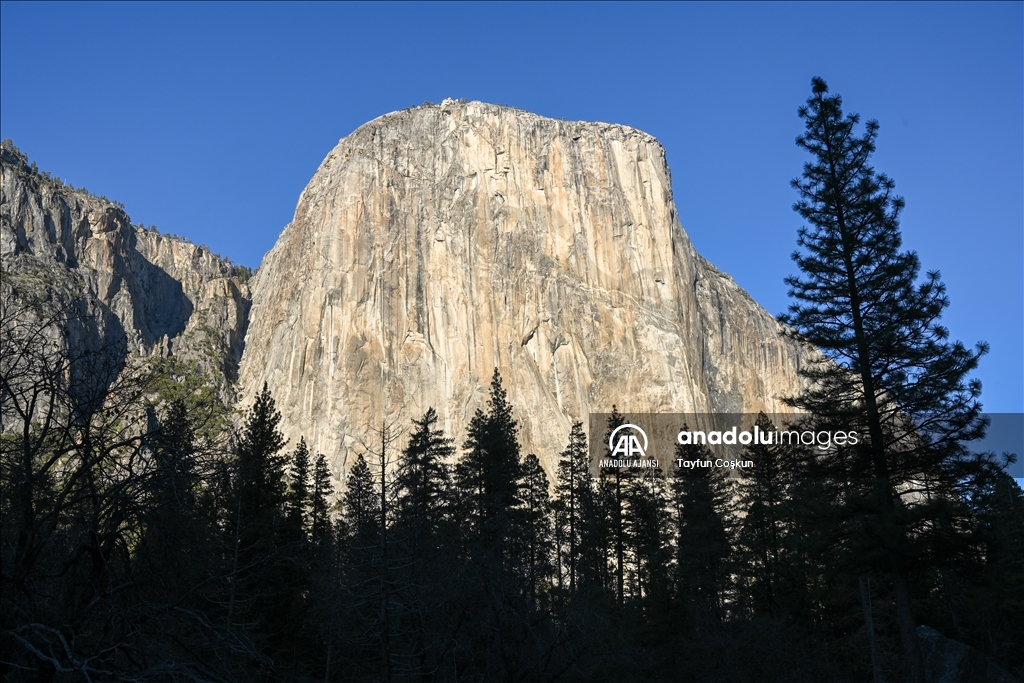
[(145, 539)]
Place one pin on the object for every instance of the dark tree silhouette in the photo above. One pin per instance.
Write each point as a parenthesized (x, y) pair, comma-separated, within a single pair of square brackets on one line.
[(700, 510), (891, 369), (319, 506), (536, 538), (489, 474), (613, 491), (574, 513), (763, 493), (298, 498)]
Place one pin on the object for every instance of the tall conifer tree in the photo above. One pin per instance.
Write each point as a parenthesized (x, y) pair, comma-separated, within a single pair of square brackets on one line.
[(422, 475), (700, 510), (320, 496), (361, 505), (536, 532), (490, 472), (613, 489), (258, 576), (298, 498), (860, 300), (762, 494), (260, 482), (424, 544), (573, 509), (647, 523)]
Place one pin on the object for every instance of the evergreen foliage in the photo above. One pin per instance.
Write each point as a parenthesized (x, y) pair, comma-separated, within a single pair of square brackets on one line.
[(614, 488), (574, 514), (259, 483), (891, 370), (299, 497), (647, 525), (361, 506), (404, 582), (423, 476), (702, 518), (320, 502), (762, 534), (536, 540), (490, 471)]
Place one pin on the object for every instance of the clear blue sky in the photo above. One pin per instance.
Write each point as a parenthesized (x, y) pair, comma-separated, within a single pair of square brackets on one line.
[(208, 119)]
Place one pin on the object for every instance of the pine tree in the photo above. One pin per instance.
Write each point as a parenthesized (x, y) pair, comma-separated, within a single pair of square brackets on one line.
[(700, 511), (363, 568), (257, 577), (993, 605), (298, 498), (177, 546), (422, 474), (573, 509), (361, 505), (424, 541), (860, 301), (536, 537), (320, 496), (490, 471), (317, 597), (647, 523), (613, 490), (490, 480), (173, 445), (763, 493), (260, 482)]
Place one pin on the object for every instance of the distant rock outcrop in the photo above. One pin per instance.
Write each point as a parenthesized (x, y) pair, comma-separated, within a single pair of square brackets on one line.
[(136, 291), (437, 243)]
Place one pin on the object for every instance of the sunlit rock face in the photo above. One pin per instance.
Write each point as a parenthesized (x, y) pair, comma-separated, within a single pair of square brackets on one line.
[(436, 244)]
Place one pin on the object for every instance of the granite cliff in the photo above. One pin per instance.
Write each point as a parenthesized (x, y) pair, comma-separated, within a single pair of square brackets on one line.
[(136, 291), (438, 243)]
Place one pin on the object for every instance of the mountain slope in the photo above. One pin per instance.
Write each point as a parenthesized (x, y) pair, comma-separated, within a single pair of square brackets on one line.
[(133, 291)]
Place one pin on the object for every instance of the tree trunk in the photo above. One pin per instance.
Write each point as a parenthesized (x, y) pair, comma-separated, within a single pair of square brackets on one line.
[(327, 668), (905, 618), (869, 622), (620, 562), (887, 498), (385, 649), (234, 565)]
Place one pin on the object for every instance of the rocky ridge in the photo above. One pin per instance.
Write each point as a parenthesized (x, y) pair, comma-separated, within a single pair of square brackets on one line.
[(138, 291)]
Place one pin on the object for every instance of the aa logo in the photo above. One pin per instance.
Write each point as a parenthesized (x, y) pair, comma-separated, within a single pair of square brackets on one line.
[(627, 445)]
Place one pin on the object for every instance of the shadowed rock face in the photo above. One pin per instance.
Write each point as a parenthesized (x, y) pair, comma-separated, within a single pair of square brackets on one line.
[(435, 244), (135, 291)]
